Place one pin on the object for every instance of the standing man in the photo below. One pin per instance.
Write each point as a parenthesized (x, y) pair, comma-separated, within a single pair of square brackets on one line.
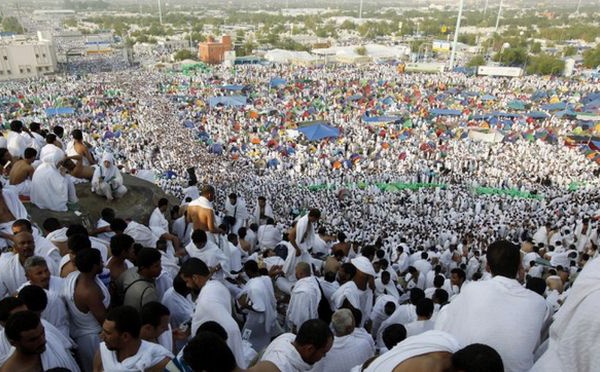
[(494, 311), (356, 294), (160, 225), (235, 212), (138, 283), (202, 215)]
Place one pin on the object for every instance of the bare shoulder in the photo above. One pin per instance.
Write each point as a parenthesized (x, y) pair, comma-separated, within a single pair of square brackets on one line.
[(264, 366)]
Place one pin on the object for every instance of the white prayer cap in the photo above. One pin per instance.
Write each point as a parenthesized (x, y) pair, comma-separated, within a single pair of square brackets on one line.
[(425, 343), (363, 265)]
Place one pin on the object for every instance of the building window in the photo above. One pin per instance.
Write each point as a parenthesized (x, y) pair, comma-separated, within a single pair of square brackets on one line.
[(8, 72), (1, 72), (21, 70), (44, 55), (5, 58), (47, 68), (37, 56), (28, 70)]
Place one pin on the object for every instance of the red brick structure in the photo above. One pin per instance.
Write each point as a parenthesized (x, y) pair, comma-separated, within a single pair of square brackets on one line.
[(213, 52)]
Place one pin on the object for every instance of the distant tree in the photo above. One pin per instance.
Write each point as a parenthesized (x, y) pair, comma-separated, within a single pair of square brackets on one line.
[(536, 48), (184, 54), (591, 58), (469, 39), (348, 25), (11, 24), (361, 50), (511, 57), (569, 51), (477, 60), (545, 64)]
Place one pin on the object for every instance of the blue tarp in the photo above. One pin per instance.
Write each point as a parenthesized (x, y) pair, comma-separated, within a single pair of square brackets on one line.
[(354, 97), (496, 114), (537, 115), (227, 101), (53, 111), (233, 87), (590, 98), (445, 112), (380, 119), (554, 106), (276, 82), (592, 106), (488, 97), (538, 95), (319, 130)]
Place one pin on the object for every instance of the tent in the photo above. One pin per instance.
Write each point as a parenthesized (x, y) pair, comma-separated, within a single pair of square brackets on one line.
[(445, 112), (380, 119), (318, 130), (276, 82), (227, 101), (235, 88), (488, 97), (554, 106), (516, 105), (53, 111), (537, 115)]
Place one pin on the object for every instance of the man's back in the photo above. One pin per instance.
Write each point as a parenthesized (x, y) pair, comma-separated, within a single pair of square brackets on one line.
[(19, 172), (499, 313)]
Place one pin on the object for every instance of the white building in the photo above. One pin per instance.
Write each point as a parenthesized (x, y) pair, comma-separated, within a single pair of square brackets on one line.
[(22, 58)]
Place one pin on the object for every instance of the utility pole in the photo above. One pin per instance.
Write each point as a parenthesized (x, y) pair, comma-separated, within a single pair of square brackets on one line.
[(360, 10), (485, 7), (455, 42), (498, 17), (160, 12), (578, 6)]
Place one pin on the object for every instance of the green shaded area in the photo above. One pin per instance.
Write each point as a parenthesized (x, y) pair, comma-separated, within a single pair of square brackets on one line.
[(509, 192)]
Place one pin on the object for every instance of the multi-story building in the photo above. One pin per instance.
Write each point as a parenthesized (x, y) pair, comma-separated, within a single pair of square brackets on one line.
[(22, 58), (213, 52)]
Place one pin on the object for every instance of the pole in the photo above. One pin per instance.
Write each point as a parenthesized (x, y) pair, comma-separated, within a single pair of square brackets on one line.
[(160, 13), (498, 17), (485, 7), (455, 41), (360, 10), (578, 6)]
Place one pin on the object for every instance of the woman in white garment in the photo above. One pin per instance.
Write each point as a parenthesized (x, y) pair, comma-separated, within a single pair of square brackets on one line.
[(107, 180)]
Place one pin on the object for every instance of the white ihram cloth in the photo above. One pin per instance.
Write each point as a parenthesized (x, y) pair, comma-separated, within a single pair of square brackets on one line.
[(493, 312), (574, 340), (85, 329), (268, 236), (16, 208), (403, 314), (23, 188), (108, 181), (181, 308), (268, 213), (46, 249), (262, 319), (202, 202), (347, 352), (304, 302), (49, 188), (305, 234), (57, 349), (212, 256), (284, 355), (418, 326), (149, 354), (16, 143), (12, 274), (56, 312), (378, 314), (158, 223), (214, 304), (360, 300), (425, 343), (238, 211)]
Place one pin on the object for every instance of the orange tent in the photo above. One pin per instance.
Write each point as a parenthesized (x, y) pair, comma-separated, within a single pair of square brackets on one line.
[(255, 140), (337, 165)]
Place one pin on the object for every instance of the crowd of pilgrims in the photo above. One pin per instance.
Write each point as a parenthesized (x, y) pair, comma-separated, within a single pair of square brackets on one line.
[(287, 255)]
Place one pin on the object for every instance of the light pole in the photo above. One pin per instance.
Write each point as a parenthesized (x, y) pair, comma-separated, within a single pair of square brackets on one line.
[(455, 42), (360, 10), (160, 12), (485, 7), (578, 6), (498, 17)]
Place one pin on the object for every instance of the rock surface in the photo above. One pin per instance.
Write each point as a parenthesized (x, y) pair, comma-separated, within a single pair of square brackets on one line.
[(139, 202)]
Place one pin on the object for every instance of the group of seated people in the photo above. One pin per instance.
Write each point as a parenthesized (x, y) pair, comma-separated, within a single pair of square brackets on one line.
[(37, 165)]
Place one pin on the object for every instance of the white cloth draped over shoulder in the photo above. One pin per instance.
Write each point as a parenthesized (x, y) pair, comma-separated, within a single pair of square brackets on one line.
[(284, 355), (158, 223), (12, 274), (425, 343), (268, 212), (304, 301), (16, 208), (574, 340), (360, 300), (49, 188), (149, 354), (214, 304)]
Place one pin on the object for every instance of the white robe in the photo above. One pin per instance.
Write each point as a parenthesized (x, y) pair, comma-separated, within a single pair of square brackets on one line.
[(494, 312), (158, 223), (50, 189), (347, 352), (141, 234), (16, 143), (305, 234), (214, 304), (56, 312), (262, 319), (212, 256), (238, 211), (16, 207), (304, 302), (359, 299), (574, 340), (268, 212), (108, 182), (269, 236), (181, 309), (284, 355), (85, 329), (403, 314), (12, 274), (425, 343), (149, 354)]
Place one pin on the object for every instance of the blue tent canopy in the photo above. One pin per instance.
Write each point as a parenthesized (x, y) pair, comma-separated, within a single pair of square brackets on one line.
[(188, 124), (380, 119), (554, 106), (537, 115), (388, 100), (227, 101), (590, 98), (488, 97), (233, 87), (316, 131), (592, 106), (445, 112), (516, 105), (276, 82), (496, 114), (53, 111), (538, 95)]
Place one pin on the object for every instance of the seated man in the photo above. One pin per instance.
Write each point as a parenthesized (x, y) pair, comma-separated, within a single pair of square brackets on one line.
[(77, 169), (50, 189), (107, 180), (22, 171), (122, 348)]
